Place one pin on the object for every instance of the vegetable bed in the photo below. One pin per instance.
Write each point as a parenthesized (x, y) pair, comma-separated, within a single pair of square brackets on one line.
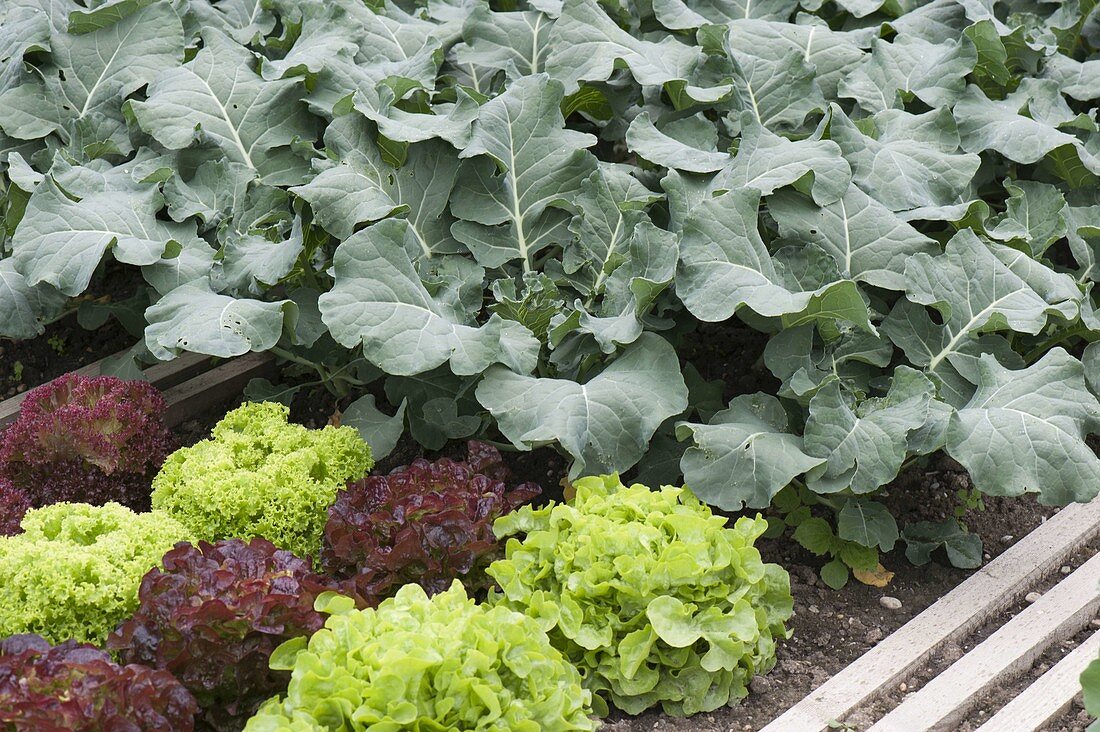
[(819, 274)]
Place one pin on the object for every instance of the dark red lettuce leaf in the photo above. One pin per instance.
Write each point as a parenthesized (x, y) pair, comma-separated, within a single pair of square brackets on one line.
[(428, 523), (75, 687), (213, 615), (13, 505), (88, 440)]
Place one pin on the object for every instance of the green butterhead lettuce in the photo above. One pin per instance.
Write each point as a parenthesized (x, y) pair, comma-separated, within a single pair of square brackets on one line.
[(259, 475), (653, 596), (415, 663)]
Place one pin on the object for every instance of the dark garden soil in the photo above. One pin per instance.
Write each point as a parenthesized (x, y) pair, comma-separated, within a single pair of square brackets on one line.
[(1002, 693), (66, 345)]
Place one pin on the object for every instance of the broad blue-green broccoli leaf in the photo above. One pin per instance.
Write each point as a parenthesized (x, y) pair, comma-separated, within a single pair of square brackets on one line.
[(508, 205), (1024, 430), (606, 423), (724, 265), (379, 302), (744, 455)]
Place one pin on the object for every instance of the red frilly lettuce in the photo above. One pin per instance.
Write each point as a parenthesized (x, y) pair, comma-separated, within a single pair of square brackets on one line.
[(213, 615), (428, 523), (75, 687), (13, 505), (87, 440)]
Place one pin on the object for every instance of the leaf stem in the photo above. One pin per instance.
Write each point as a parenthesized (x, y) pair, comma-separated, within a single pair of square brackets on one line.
[(1078, 331), (288, 356)]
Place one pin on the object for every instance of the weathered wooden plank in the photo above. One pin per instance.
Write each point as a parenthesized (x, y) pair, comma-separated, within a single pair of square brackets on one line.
[(947, 699), (213, 387), (162, 375), (1050, 695), (166, 374), (989, 590)]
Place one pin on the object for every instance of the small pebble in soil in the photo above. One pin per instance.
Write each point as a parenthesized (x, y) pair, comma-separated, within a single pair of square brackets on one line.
[(761, 685), (1032, 596), (890, 603), (903, 686), (1065, 570), (814, 609), (1007, 538)]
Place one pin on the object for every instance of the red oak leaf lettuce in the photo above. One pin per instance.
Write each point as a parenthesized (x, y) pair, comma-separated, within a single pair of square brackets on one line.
[(87, 440), (427, 523), (75, 687), (213, 615)]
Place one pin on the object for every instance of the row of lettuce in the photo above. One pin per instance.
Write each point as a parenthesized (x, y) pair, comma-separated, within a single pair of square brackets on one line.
[(262, 580)]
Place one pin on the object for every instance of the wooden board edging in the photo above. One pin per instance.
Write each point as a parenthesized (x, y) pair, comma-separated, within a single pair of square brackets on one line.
[(989, 590), (211, 388), (191, 383), (953, 694), (1050, 695)]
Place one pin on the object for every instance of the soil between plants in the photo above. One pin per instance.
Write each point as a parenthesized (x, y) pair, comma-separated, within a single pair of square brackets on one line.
[(65, 345)]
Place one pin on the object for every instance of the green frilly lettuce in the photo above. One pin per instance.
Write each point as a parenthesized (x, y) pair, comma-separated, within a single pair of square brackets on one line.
[(259, 475), (428, 664), (75, 570), (656, 599)]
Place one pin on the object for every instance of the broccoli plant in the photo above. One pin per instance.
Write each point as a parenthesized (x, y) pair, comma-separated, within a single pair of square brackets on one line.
[(87, 440)]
